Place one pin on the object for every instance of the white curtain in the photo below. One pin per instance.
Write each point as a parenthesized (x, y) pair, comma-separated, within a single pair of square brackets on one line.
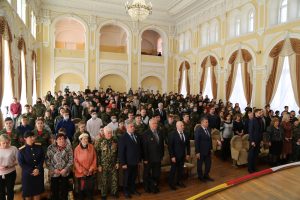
[(238, 88), (7, 92), (207, 79), (23, 99), (183, 89), (284, 95)]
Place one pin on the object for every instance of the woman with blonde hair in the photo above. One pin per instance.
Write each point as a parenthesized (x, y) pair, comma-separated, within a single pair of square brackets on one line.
[(8, 162), (287, 137)]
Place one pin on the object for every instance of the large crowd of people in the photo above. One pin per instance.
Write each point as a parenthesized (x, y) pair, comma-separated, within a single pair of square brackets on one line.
[(89, 136)]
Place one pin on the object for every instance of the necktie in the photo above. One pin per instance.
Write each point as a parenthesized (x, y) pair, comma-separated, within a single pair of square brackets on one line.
[(206, 131), (181, 136), (156, 136), (133, 138)]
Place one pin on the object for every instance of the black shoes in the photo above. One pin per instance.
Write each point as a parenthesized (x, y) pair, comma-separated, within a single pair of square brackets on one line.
[(180, 184), (173, 187), (127, 196), (137, 193), (202, 179), (208, 178)]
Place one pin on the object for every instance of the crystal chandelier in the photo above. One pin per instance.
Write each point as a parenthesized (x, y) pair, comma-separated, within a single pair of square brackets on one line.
[(138, 10)]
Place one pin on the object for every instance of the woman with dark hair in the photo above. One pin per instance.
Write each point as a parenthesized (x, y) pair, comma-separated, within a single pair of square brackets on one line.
[(59, 160), (238, 126), (275, 137), (8, 162), (31, 159)]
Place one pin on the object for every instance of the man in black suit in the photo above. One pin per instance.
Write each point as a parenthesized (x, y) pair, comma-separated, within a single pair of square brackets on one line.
[(130, 156), (203, 146), (161, 112), (179, 150), (153, 152), (255, 138)]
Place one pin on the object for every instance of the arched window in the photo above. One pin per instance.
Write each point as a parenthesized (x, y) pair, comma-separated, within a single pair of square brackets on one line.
[(34, 93), (213, 34), (8, 89), (23, 99), (205, 34), (283, 11), (208, 88), (33, 24), (238, 94), (251, 21), (284, 95), (237, 26), (181, 42), (21, 10), (187, 40), (183, 89)]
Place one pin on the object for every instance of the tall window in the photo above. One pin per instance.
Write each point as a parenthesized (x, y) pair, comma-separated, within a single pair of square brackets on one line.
[(208, 89), (34, 95), (183, 89), (23, 99), (8, 91), (283, 11), (238, 95), (21, 9), (284, 95), (251, 21), (33, 24), (237, 26), (181, 42)]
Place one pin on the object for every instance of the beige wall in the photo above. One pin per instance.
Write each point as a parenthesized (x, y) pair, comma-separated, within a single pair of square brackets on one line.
[(258, 43), (116, 82), (68, 79), (152, 83)]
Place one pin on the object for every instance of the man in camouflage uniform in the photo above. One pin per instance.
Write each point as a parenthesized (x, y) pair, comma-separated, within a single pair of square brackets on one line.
[(39, 108), (107, 153), (30, 116), (188, 127), (11, 132)]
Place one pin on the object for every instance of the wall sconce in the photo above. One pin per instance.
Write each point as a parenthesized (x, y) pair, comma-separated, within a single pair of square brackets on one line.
[(258, 52)]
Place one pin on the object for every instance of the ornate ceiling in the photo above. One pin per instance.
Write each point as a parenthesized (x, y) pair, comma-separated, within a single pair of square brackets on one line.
[(167, 12)]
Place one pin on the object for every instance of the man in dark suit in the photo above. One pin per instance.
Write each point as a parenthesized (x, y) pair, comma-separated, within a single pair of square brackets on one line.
[(203, 146), (130, 156), (161, 112), (153, 152), (255, 137), (179, 150)]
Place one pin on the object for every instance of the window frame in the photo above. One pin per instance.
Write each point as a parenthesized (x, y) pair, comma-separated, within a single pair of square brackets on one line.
[(281, 7)]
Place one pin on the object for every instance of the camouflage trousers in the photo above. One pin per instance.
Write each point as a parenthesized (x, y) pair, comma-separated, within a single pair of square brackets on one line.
[(108, 181)]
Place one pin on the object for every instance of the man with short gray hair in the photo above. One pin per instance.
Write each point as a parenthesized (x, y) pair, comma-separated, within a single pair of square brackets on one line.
[(130, 156)]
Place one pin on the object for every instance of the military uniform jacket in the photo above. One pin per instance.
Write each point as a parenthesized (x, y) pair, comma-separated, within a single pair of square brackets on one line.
[(43, 139), (107, 152), (30, 158), (14, 137)]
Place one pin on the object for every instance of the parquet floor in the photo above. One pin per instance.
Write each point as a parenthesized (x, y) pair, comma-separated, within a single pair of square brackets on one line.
[(221, 172)]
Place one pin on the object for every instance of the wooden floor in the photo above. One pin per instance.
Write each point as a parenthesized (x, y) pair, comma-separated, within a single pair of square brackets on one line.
[(221, 172), (277, 186)]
